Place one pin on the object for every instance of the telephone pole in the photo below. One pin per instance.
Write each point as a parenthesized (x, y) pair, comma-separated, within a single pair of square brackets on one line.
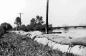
[(47, 12), (20, 14)]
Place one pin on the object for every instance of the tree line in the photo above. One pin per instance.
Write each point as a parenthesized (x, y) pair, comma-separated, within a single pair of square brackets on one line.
[(36, 24)]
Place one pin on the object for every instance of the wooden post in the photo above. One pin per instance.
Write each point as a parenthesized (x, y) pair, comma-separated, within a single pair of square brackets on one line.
[(47, 12)]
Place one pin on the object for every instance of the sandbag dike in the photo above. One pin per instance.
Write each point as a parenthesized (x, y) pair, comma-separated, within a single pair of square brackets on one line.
[(57, 42), (61, 44)]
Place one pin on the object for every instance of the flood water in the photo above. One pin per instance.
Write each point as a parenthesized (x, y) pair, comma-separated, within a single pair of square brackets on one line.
[(77, 34), (73, 32)]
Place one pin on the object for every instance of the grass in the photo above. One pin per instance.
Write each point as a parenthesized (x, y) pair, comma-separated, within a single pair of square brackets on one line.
[(16, 45)]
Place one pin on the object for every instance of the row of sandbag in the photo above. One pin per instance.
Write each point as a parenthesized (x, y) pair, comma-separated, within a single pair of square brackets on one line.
[(78, 50), (41, 39)]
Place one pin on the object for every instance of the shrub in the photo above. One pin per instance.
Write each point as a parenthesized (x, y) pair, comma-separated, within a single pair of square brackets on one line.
[(30, 28), (6, 26), (22, 27)]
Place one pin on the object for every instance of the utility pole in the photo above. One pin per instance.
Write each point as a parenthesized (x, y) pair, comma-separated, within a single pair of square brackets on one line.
[(47, 12), (20, 14)]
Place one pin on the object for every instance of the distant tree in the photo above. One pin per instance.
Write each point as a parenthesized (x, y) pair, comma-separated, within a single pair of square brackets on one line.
[(39, 23), (33, 22), (23, 27), (29, 28), (42, 27), (6, 26), (39, 20), (18, 22), (36, 24)]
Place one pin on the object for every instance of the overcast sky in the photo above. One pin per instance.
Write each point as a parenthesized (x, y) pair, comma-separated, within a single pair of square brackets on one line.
[(61, 12)]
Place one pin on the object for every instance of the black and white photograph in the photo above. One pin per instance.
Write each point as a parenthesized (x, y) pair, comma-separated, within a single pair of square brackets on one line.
[(42, 27)]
